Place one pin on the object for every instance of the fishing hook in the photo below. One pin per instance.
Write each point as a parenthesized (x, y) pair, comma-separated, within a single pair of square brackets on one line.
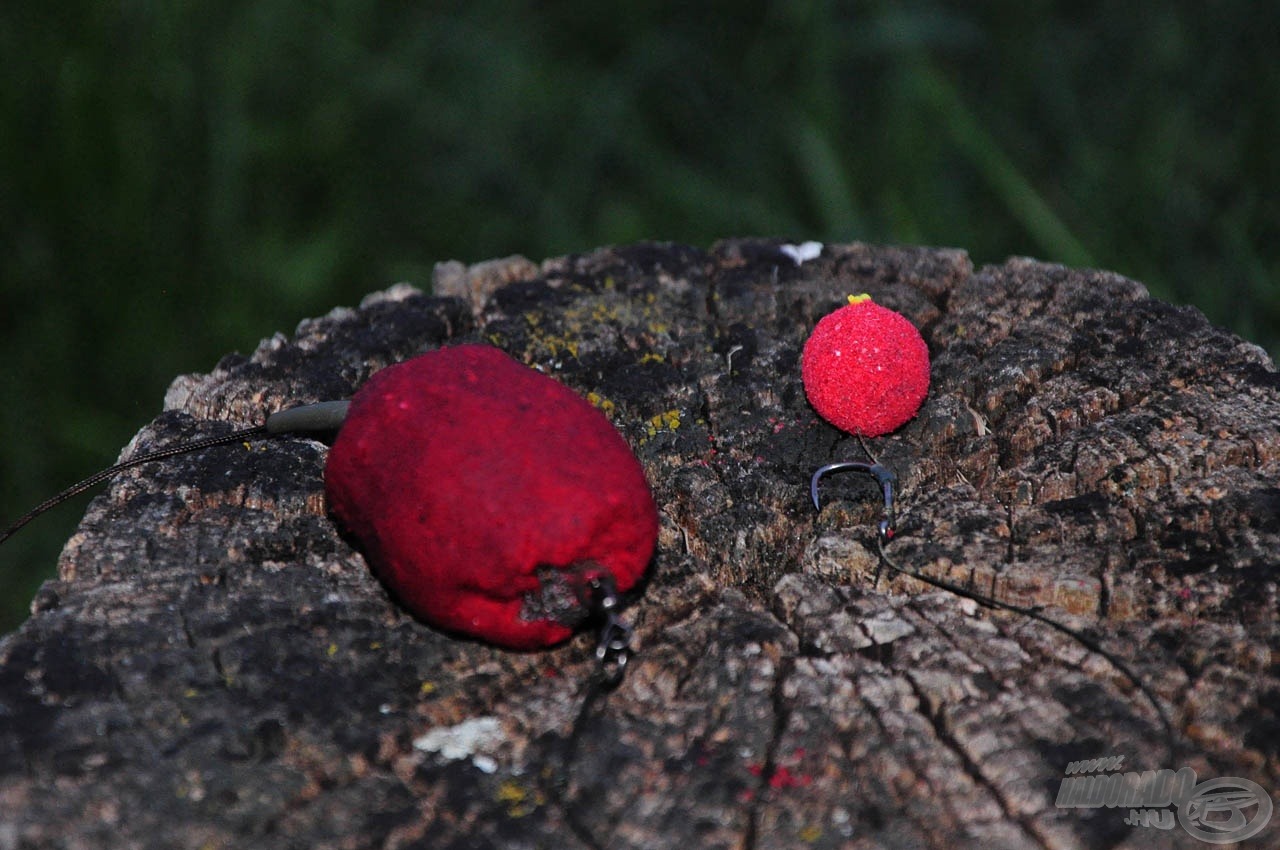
[(883, 476)]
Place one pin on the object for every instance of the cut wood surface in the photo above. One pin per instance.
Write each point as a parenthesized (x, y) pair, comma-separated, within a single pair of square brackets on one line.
[(216, 667)]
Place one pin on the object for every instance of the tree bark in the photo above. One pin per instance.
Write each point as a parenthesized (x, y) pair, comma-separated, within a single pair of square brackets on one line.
[(216, 667)]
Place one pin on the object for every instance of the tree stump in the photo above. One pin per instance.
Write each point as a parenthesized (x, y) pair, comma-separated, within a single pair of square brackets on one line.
[(215, 667)]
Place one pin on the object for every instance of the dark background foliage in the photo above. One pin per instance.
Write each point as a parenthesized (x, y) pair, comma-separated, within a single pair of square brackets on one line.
[(179, 180)]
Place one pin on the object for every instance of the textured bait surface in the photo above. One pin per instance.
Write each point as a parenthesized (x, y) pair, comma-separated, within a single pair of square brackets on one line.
[(467, 479), (865, 368)]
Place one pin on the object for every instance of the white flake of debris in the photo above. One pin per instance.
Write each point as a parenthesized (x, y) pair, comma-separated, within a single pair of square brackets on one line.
[(484, 764), (802, 253), (474, 738), (886, 627)]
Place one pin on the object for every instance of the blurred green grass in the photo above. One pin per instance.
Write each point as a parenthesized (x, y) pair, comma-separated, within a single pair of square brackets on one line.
[(179, 180)]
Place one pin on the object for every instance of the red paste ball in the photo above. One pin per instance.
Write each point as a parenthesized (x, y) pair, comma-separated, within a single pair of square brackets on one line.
[(865, 368), (467, 479)]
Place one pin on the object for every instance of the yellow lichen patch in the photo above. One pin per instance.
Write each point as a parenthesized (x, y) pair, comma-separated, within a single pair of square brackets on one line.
[(605, 405), (519, 800), (555, 345), (666, 421), (604, 313), (558, 345)]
